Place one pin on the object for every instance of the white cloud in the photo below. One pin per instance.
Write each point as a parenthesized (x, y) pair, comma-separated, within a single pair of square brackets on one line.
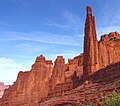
[(63, 26), (7, 63), (41, 37), (9, 70)]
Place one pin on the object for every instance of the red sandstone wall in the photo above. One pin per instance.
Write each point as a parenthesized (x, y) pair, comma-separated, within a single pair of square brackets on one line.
[(109, 49), (30, 87), (75, 64)]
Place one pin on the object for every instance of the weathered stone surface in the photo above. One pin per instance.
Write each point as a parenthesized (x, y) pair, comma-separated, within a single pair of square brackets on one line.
[(74, 65), (104, 82), (98, 54), (2, 88), (109, 49), (30, 87), (90, 57), (58, 75), (62, 84)]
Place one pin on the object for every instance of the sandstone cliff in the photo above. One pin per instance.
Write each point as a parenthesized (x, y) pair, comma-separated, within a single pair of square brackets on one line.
[(109, 49), (90, 57), (45, 82), (98, 54), (30, 86)]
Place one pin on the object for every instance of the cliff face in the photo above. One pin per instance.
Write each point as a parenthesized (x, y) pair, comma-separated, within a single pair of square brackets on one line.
[(45, 81), (30, 86), (98, 54), (109, 49), (103, 82), (74, 65), (90, 57), (58, 74)]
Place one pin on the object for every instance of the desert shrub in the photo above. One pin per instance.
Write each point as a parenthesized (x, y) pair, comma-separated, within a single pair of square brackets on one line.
[(112, 100)]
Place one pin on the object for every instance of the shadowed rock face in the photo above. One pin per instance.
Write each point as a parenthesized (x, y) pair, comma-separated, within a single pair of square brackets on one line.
[(102, 83), (57, 85), (58, 75)]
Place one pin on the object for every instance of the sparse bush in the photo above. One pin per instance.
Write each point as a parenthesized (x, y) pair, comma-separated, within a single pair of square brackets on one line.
[(112, 100)]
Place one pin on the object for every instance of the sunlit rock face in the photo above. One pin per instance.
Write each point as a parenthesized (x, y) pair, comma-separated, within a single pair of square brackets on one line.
[(109, 49), (60, 84), (2, 88), (90, 57), (31, 86), (98, 54)]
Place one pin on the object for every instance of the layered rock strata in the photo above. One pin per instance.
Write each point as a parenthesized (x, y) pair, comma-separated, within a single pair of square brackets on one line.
[(90, 57), (102, 83), (30, 86), (63, 84), (98, 54)]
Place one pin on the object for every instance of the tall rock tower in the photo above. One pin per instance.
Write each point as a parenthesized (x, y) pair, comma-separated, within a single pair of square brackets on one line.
[(90, 58)]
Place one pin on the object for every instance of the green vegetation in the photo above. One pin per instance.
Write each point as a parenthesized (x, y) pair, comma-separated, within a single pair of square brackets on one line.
[(112, 100)]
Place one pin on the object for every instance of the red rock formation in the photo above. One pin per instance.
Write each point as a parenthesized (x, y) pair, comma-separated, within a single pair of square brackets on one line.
[(2, 88), (98, 54), (30, 86), (90, 57), (74, 65), (43, 81), (109, 49), (104, 82), (58, 75)]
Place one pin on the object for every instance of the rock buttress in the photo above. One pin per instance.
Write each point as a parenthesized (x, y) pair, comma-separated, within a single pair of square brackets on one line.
[(31, 86), (58, 75), (90, 58)]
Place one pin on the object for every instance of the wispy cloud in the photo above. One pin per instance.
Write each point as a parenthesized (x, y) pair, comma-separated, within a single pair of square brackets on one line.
[(107, 30), (9, 69), (63, 26), (72, 22), (71, 18), (31, 48), (8, 63), (40, 37)]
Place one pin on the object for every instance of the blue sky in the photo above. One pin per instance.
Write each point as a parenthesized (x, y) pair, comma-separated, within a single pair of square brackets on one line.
[(29, 28)]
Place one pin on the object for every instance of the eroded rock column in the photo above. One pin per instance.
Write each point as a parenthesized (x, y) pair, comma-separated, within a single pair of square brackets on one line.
[(90, 58)]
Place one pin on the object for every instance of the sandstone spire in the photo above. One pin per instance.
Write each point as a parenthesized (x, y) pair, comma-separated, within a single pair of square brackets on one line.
[(90, 58)]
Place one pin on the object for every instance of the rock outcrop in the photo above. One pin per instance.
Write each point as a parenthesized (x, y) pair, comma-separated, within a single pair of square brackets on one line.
[(2, 88), (58, 74), (74, 65), (31, 86), (109, 49), (90, 57), (87, 74), (98, 54), (103, 82)]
